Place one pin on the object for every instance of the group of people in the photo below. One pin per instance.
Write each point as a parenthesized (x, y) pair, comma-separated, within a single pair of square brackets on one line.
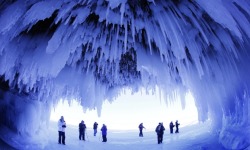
[(171, 126), (82, 128), (160, 130)]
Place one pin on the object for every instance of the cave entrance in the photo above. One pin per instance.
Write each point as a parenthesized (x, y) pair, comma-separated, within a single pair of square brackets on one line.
[(128, 111)]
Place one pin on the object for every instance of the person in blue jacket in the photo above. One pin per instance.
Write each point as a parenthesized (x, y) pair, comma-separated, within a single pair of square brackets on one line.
[(95, 126), (104, 133)]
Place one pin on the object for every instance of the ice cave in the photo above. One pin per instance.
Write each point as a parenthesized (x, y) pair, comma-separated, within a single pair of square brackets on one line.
[(90, 50)]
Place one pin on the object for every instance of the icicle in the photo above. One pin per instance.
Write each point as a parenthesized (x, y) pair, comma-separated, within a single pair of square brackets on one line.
[(133, 29), (122, 10), (10, 16), (214, 9), (240, 18), (56, 39), (197, 24), (125, 37)]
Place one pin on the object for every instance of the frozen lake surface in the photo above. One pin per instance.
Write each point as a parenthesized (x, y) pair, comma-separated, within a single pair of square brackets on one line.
[(195, 137)]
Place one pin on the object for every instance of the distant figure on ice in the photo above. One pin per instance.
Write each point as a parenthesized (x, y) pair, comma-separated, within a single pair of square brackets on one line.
[(82, 128), (104, 133), (160, 131), (95, 126), (141, 128), (171, 126), (177, 126), (61, 130)]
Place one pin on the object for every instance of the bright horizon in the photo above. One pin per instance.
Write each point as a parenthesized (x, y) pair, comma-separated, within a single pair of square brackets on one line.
[(128, 111)]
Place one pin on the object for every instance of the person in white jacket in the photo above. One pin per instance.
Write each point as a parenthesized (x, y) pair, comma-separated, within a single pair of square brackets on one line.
[(61, 130)]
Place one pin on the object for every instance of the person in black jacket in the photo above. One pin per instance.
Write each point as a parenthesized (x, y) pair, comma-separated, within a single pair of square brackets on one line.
[(95, 126), (171, 126), (160, 131), (140, 129), (177, 126), (82, 128)]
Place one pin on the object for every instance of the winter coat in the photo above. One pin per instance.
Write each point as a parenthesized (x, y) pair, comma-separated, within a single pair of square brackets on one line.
[(141, 127), (160, 129), (177, 124), (104, 130), (171, 125), (61, 125), (82, 127), (95, 125)]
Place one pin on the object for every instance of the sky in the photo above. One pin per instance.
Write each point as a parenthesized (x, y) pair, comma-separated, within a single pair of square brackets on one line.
[(128, 111)]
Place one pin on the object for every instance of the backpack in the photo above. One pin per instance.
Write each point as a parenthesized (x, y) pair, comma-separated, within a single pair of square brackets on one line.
[(158, 129)]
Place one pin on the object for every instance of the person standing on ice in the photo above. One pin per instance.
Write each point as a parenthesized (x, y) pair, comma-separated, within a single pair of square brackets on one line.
[(61, 130), (171, 126), (104, 133), (141, 128), (177, 126), (95, 126), (82, 128), (160, 131)]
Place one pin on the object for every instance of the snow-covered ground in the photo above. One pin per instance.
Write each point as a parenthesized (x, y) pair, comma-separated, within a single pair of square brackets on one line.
[(195, 137)]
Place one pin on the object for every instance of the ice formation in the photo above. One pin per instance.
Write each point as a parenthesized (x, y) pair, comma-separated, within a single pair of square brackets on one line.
[(90, 50)]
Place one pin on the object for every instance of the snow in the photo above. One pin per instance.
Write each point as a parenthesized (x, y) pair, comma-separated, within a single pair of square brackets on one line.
[(193, 137), (196, 137)]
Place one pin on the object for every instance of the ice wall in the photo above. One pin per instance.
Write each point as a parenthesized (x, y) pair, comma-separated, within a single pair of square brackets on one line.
[(91, 49), (23, 120)]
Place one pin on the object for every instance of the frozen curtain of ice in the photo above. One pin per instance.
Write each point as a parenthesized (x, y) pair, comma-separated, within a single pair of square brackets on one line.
[(91, 49)]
